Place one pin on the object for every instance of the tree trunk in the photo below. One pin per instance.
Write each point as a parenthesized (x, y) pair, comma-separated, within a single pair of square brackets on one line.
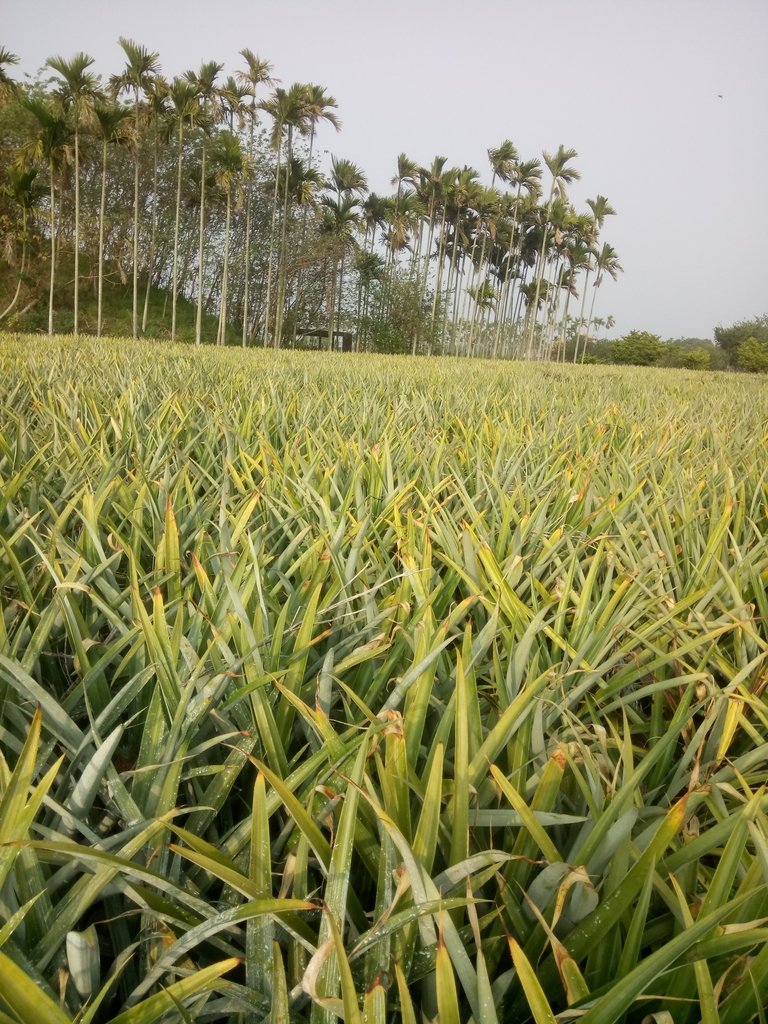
[(246, 268), (581, 315), (102, 208), (540, 270), (53, 254), (504, 296), (201, 250), (75, 326), (176, 233), (268, 300), (439, 281), (595, 286), (341, 291), (422, 283), (282, 269), (223, 309), (564, 321), (553, 306), (452, 276), (9, 308), (300, 276), (152, 243), (476, 308), (332, 307), (136, 224)]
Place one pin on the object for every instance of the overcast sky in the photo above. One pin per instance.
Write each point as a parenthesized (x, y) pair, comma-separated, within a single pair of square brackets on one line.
[(665, 101)]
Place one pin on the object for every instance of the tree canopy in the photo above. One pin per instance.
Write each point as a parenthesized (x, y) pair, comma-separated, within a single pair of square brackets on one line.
[(151, 195), (731, 338)]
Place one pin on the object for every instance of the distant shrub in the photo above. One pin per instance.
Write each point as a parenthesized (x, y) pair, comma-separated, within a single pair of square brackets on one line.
[(685, 357), (638, 348), (752, 355), (730, 339)]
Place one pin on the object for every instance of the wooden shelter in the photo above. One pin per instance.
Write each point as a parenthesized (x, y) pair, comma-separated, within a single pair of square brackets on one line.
[(343, 341)]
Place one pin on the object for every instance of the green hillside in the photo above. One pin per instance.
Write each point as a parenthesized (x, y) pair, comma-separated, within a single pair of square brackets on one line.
[(30, 313)]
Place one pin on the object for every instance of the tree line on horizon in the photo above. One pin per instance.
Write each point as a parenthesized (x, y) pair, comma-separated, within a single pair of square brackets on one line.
[(739, 346), (208, 188)]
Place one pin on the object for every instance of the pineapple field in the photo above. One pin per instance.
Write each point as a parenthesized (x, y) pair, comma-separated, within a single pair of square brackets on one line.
[(379, 689)]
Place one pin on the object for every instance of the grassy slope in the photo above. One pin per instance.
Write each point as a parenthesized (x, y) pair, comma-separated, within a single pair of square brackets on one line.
[(436, 627), (31, 312)]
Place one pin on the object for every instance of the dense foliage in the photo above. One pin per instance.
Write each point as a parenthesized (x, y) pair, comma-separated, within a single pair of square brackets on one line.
[(744, 346), (208, 188), (752, 355), (377, 687), (732, 338)]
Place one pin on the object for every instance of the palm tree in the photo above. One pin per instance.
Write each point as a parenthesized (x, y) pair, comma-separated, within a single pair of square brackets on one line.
[(504, 161), (340, 221), (318, 106), (601, 209), (431, 191), (562, 175), (407, 173), (204, 84), (141, 68), (186, 110), (485, 298), (297, 118), (459, 198), (371, 268), (375, 212), (578, 256), (232, 95), (303, 182), (533, 294), (403, 213), (79, 90), (406, 210), (526, 174), (607, 262), (349, 182), (286, 108), (566, 225), (50, 144), (8, 86), (110, 123), (258, 72), (347, 178), (449, 177), (230, 163), (488, 212), (156, 98)]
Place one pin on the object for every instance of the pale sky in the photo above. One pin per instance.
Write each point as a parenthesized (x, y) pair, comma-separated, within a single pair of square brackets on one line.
[(665, 101)]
